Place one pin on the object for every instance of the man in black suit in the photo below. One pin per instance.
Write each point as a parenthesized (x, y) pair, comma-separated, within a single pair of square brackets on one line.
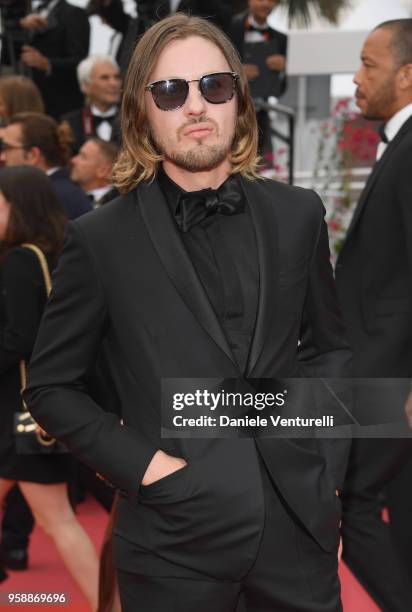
[(92, 170), (59, 35), (200, 269), (250, 32), (100, 81), (373, 274), (37, 140)]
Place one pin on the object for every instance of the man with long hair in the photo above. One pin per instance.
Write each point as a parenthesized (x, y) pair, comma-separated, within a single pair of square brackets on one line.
[(200, 269)]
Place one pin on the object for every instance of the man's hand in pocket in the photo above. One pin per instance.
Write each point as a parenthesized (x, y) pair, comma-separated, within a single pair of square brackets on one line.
[(160, 466)]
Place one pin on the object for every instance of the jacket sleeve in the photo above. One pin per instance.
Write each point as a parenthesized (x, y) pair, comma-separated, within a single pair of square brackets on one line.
[(324, 353), (65, 352), (77, 40), (323, 349)]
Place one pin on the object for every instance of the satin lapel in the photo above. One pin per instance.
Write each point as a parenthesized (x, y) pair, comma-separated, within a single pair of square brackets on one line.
[(377, 169), (170, 248), (266, 230)]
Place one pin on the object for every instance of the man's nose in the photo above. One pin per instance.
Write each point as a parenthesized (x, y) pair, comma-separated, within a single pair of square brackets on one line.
[(195, 103)]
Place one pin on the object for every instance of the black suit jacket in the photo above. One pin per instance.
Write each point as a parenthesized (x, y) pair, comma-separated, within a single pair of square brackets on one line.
[(73, 200), (237, 34), (126, 286), (374, 268), (65, 43)]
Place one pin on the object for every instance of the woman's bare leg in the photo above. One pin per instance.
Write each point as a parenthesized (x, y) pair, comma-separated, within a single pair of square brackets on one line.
[(52, 511)]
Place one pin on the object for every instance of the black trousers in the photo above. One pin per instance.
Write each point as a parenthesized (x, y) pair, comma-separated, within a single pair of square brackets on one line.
[(291, 573), (399, 502), (369, 548)]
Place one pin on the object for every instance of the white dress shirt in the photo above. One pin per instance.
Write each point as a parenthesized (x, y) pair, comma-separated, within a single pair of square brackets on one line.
[(392, 127), (105, 129)]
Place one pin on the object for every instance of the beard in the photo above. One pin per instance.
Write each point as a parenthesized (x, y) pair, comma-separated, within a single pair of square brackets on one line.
[(201, 157), (384, 99)]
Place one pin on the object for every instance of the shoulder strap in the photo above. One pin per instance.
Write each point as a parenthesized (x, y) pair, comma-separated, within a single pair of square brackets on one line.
[(47, 282), (43, 265)]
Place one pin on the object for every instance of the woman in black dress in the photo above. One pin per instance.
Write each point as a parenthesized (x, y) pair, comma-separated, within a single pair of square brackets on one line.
[(30, 213)]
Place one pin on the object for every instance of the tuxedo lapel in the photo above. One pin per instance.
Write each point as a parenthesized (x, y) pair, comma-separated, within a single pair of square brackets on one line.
[(377, 169), (169, 246), (266, 227)]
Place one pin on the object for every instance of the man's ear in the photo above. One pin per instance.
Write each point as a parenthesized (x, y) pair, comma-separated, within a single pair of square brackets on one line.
[(33, 156), (405, 77)]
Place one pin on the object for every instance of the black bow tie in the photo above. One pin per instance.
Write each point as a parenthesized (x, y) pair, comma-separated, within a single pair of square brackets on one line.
[(382, 134), (194, 206), (97, 120)]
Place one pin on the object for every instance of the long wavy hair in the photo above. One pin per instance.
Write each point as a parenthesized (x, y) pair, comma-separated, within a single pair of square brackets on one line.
[(139, 159)]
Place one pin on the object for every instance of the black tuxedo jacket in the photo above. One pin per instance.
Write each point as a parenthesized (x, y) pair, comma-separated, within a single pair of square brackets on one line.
[(237, 34), (374, 268), (65, 43), (126, 286)]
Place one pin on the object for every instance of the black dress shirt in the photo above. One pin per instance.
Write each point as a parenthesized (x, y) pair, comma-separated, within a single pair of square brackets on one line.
[(223, 251)]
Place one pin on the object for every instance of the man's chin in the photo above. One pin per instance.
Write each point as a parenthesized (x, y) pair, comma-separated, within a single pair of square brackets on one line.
[(199, 159)]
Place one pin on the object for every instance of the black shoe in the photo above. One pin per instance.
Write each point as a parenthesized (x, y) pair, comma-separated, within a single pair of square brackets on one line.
[(15, 558), (3, 574)]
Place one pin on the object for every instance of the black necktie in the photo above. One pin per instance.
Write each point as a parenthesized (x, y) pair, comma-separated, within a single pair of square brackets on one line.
[(382, 133), (194, 206)]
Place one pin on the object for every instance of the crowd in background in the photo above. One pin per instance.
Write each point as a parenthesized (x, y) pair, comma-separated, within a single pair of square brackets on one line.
[(60, 137)]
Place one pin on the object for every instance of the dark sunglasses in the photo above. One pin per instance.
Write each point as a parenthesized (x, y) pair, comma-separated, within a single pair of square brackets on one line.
[(216, 88)]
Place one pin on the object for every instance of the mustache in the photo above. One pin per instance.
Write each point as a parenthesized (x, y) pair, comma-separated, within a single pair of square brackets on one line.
[(191, 122)]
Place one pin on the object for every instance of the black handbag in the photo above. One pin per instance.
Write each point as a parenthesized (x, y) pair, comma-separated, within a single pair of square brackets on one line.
[(30, 438)]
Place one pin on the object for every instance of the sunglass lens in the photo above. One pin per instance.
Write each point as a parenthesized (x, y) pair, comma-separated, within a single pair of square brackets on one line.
[(169, 95), (217, 88)]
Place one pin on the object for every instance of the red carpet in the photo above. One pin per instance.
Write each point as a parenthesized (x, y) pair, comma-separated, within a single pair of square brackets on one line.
[(47, 574)]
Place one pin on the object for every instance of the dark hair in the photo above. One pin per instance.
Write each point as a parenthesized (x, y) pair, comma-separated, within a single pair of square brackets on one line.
[(36, 214), (42, 131), (401, 40), (109, 150), (19, 94), (139, 159)]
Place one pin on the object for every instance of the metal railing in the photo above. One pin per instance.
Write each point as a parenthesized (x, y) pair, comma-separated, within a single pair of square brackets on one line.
[(288, 139)]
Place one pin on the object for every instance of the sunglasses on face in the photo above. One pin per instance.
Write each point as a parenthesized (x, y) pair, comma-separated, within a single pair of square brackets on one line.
[(171, 94)]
